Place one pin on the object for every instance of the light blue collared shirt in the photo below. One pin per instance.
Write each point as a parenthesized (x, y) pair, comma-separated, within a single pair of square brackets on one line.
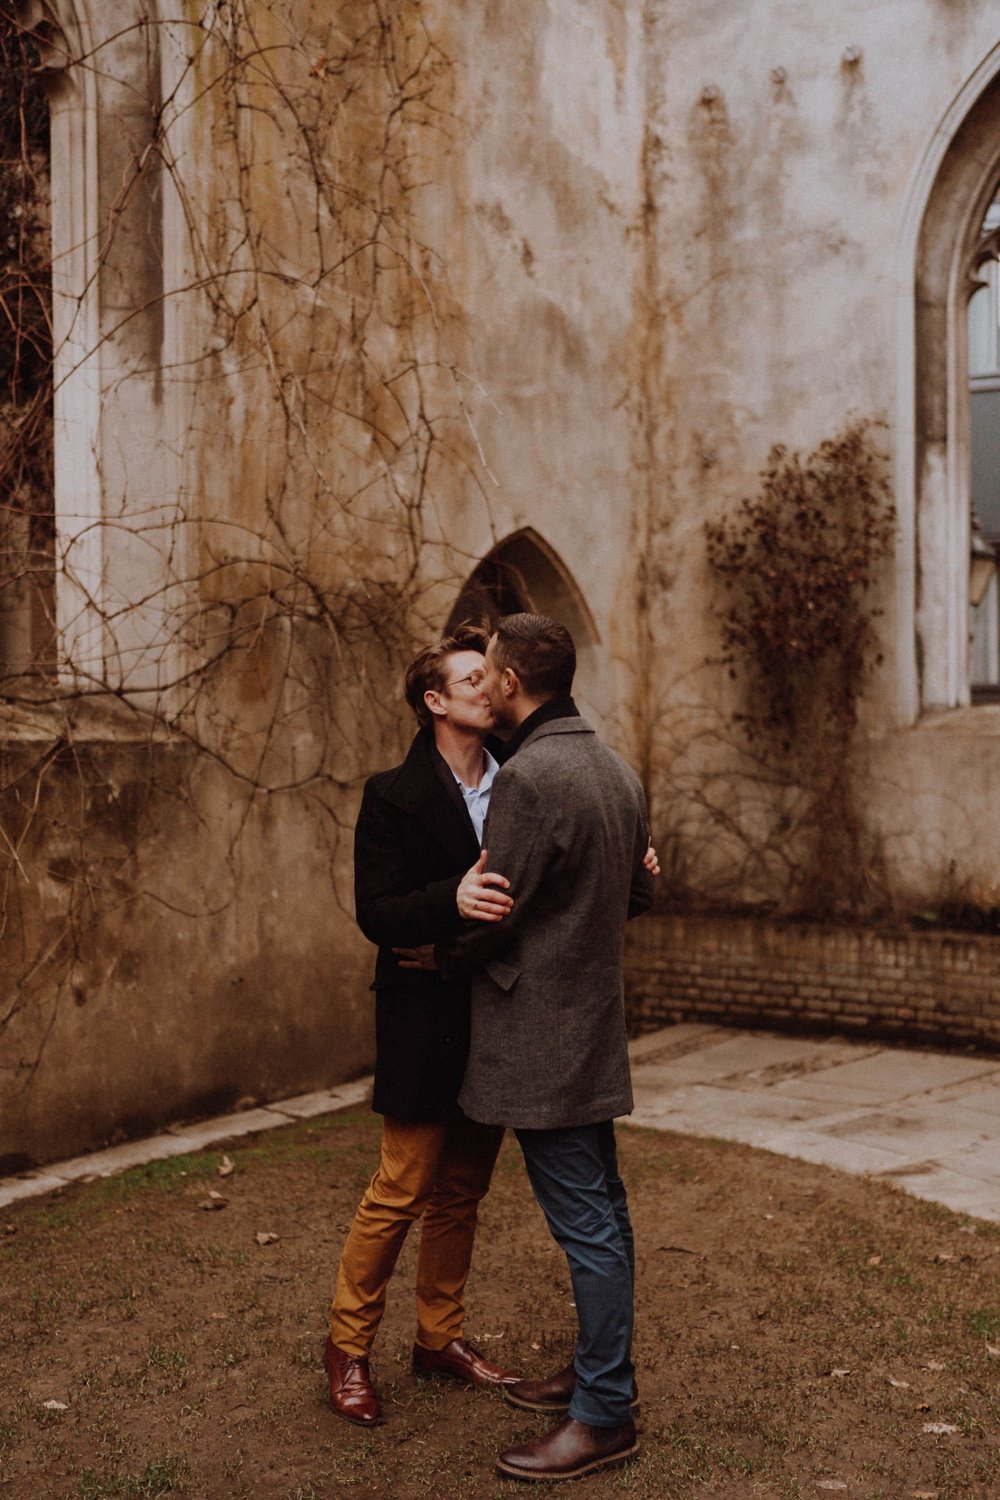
[(477, 798)]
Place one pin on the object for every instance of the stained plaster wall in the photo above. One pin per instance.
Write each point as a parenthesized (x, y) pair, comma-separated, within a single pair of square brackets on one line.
[(789, 150)]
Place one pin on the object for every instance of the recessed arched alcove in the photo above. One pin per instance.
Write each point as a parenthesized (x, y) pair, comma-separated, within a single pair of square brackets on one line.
[(523, 572)]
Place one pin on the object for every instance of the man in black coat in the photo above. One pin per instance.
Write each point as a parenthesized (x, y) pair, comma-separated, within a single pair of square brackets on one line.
[(418, 873)]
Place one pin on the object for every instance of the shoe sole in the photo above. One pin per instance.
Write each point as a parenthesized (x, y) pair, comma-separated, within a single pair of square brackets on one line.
[(475, 1385), (355, 1421), (422, 1374), (549, 1408), (552, 1476)]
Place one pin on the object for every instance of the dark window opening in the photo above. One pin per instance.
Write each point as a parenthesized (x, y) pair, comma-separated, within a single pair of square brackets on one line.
[(27, 530), (494, 589)]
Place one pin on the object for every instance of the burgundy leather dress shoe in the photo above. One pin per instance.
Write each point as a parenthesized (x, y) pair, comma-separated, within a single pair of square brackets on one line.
[(569, 1451), (352, 1394), (460, 1361), (553, 1394)]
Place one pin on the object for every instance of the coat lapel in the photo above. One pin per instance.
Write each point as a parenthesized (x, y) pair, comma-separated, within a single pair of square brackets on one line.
[(420, 790)]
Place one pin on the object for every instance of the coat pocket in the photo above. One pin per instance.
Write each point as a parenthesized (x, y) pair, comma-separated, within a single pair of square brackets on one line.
[(505, 976)]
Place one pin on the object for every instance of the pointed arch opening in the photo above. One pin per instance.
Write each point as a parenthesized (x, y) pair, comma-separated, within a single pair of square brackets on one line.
[(523, 572)]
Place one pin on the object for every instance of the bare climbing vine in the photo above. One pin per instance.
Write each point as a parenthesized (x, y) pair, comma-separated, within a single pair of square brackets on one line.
[(798, 562), (300, 334)]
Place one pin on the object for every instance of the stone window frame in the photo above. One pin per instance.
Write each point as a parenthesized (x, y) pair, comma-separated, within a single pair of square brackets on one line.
[(941, 250), (101, 339)]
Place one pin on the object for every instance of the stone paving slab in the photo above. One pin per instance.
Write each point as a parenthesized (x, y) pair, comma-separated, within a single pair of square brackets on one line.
[(923, 1129), (895, 1073), (736, 1056), (120, 1158), (327, 1101), (243, 1122), (684, 1036), (965, 1195), (983, 1096), (13, 1189), (697, 1108)]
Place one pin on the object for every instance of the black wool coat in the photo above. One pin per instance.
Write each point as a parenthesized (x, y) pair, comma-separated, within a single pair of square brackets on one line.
[(413, 842)]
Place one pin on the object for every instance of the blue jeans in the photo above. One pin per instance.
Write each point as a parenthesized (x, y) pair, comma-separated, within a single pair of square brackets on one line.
[(574, 1175)]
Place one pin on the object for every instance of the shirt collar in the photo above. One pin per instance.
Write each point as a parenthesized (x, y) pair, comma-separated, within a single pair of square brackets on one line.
[(490, 769)]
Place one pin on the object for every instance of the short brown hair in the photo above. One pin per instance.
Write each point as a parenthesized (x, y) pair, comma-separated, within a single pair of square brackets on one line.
[(539, 650), (426, 672)]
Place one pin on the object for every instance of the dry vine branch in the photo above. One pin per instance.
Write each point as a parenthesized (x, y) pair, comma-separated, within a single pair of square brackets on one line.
[(797, 563)]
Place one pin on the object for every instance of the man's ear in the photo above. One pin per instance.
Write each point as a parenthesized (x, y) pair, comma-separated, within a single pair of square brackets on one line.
[(509, 682), (433, 704)]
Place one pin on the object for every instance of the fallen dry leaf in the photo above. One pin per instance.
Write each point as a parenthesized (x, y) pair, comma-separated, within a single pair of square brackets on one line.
[(939, 1428), (831, 1484), (943, 1256), (10, 1229), (219, 1317), (993, 1351), (213, 1201), (226, 1168), (265, 1237), (55, 1406), (922, 1406), (933, 1364), (901, 1385), (839, 1374), (874, 1260), (923, 1495)]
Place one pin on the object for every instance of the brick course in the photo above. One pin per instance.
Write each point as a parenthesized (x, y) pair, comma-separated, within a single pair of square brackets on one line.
[(938, 987)]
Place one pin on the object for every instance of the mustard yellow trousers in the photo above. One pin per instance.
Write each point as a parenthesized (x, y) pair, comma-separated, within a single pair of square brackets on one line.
[(437, 1172)]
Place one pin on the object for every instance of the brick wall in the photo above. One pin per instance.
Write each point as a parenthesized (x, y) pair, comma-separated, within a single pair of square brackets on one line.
[(941, 987)]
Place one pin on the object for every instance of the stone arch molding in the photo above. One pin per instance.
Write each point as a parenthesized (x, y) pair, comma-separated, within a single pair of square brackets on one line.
[(524, 571), (948, 196), (531, 569)]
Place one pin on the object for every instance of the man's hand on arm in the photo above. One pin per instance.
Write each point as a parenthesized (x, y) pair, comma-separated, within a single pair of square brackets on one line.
[(481, 894), (480, 897)]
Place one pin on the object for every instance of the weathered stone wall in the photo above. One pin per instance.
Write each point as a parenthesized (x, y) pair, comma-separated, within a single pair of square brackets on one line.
[(167, 952), (941, 987)]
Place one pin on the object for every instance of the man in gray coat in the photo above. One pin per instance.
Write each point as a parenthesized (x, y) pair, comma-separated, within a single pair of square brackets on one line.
[(568, 828)]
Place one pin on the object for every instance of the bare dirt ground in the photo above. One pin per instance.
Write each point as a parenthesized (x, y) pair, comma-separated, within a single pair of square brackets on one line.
[(800, 1333)]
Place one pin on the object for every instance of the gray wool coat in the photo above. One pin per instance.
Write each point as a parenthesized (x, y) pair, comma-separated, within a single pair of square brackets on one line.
[(568, 827)]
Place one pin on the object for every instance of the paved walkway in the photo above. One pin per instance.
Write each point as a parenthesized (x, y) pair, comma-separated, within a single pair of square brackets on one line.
[(928, 1121)]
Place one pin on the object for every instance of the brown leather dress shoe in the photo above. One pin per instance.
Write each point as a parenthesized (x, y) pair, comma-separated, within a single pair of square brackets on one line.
[(570, 1450), (553, 1394), (352, 1394), (460, 1361)]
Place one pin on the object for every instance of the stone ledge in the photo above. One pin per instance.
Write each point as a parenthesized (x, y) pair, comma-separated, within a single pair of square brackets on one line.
[(195, 1137)]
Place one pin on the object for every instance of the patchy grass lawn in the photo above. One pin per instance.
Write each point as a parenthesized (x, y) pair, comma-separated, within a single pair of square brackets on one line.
[(799, 1333)]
